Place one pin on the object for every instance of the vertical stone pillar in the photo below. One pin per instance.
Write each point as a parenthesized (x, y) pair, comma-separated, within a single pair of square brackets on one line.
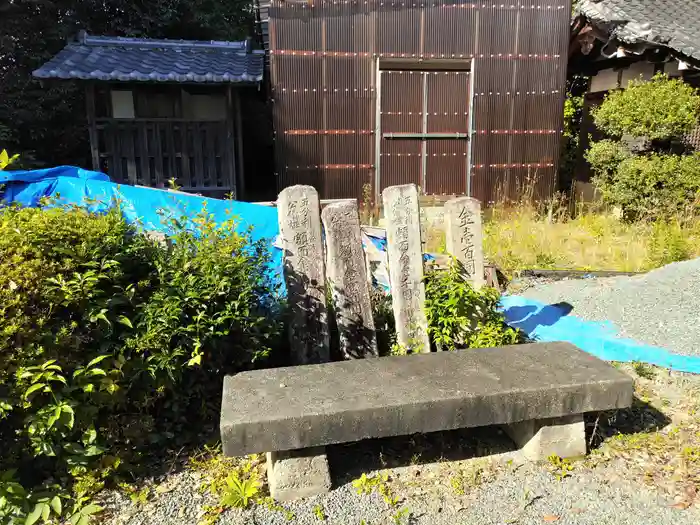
[(465, 237), (304, 273), (405, 256), (301, 473), (347, 278)]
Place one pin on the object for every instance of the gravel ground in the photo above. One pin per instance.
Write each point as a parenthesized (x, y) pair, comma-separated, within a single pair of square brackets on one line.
[(653, 481), (645, 482), (524, 494), (660, 308)]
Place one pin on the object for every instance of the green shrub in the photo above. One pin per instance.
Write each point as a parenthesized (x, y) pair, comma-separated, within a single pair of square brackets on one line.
[(460, 316), (605, 156), (659, 183), (668, 243), (651, 186), (112, 342), (659, 109)]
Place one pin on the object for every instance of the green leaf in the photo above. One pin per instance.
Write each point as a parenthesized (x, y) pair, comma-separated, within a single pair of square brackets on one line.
[(45, 511), (98, 359), (125, 321), (89, 436), (34, 388), (56, 505), (47, 449), (67, 409), (56, 377), (34, 515), (88, 510), (54, 417), (94, 450)]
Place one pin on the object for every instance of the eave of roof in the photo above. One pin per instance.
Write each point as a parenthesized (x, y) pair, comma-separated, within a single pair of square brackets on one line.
[(147, 60)]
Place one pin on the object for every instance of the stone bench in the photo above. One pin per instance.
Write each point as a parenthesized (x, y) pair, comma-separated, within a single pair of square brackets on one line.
[(540, 391)]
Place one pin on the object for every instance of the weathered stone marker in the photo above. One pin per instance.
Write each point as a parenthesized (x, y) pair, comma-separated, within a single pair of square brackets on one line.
[(465, 237), (406, 266), (304, 273), (347, 278), (304, 472)]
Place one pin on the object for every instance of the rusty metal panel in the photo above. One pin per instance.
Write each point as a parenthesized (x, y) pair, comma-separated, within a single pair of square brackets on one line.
[(323, 71), (446, 168)]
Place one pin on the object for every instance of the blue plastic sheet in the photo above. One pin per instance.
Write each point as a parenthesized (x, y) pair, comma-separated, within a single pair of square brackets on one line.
[(553, 323), (144, 207)]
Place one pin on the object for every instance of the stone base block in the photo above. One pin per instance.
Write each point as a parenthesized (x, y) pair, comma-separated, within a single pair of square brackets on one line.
[(540, 438), (298, 474)]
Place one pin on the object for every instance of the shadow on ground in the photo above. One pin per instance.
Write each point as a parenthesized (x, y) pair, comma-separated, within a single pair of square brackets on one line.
[(640, 417), (351, 460), (528, 318)]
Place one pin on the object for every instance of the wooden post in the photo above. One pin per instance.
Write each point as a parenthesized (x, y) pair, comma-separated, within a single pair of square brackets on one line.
[(92, 125), (239, 179)]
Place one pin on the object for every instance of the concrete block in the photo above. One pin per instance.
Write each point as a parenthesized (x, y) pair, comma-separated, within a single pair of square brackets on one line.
[(540, 438), (298, 473), (313, 405)]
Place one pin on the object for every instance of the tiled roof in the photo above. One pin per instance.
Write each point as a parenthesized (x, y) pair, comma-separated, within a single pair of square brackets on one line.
[(671, 23), (146, 60)]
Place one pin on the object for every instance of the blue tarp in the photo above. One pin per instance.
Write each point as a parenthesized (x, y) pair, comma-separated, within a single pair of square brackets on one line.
[(553, 323), (145, 207)]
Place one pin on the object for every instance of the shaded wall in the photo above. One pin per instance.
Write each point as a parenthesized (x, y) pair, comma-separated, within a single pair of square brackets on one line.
[(324, 60)]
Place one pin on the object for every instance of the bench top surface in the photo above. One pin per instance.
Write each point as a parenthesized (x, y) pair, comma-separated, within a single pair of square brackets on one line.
[(282, 408)]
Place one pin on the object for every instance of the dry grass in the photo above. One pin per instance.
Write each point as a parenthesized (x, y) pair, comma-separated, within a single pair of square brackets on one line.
[(520, 237), (657, 441)]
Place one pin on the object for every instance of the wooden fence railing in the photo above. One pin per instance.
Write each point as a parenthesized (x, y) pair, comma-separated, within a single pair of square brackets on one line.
[(149, 152)]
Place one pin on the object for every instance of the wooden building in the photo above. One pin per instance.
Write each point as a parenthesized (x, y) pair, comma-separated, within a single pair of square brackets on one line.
[(457, 96), (164, 109), (616, 41)]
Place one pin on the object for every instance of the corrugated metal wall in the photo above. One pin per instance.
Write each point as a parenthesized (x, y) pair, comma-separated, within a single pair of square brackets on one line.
[(324, 77)]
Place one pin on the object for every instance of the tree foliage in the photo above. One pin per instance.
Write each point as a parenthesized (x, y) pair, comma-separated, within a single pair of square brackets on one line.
[(655, 181), (45, 121), (659, 109)]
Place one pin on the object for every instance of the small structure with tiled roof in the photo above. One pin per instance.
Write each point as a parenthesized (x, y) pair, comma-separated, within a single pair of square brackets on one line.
[(616, 41), (163, 109)]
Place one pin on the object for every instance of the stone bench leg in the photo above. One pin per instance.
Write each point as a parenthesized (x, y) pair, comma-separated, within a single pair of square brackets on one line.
[(540, 438), (298, 474)]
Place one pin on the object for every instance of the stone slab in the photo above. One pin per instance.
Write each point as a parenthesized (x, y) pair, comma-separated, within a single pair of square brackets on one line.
[(307, 406), (346, 274), (298, 474), (405, 257), (540, 438), (304, 274), (464, 237)]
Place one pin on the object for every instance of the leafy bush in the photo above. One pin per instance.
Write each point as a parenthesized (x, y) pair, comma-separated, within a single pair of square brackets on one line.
[(460, 316), (101, 330), (605, 156), (648, 186), (658, 183), (659, 109)]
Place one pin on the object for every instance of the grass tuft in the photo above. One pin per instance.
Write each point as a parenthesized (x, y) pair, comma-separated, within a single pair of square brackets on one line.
[(519, 237)]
